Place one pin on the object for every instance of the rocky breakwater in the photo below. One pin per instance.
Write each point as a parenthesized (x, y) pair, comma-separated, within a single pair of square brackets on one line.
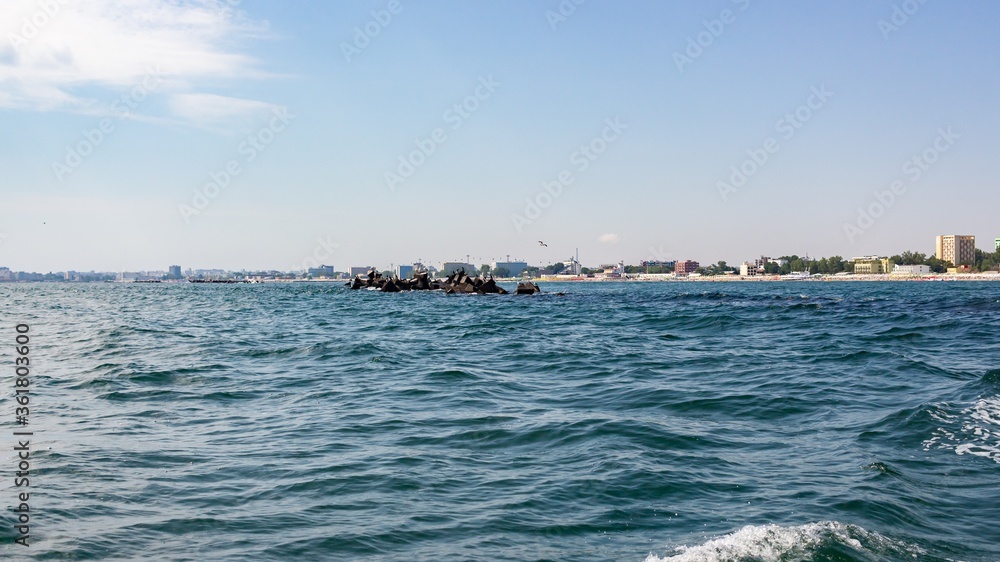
[(456, 283)]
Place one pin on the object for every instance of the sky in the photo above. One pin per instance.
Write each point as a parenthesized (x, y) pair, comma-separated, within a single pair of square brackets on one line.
[(275, 135)]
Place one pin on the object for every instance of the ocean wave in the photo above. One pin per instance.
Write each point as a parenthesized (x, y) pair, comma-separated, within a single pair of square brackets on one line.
[(365, 426), (977, 432), (773, 543)]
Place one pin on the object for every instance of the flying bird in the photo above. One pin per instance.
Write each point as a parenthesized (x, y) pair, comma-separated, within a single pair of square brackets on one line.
[(540, 243)]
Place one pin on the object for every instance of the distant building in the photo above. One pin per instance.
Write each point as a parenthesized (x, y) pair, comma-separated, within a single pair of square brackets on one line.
[(686, 267), (321, 271), (362, 271), (613, 269), (6, 274), (956, 248), (174, 272), (514, 268), (573, 267), (404, 271), (997, 244), (873, 265), (209, 273), (755, 268), (911, 270), (449, 267)]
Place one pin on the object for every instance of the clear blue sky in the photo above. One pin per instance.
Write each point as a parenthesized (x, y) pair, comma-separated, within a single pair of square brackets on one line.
[(218, 72)]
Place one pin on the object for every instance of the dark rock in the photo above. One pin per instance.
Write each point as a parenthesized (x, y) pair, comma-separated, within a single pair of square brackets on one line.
[(456, 283), (527, 288)]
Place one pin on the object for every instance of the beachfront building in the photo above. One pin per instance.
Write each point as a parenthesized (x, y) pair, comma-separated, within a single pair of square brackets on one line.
[(873, 265), (174, 272), (956, 248), (449, 267), (321, 271), (686, 267), (997, 246), (911, 270), (404, 271), (613, 270), (575, 268), (754, 268), (354, 271), (657, 263), (513, 268)]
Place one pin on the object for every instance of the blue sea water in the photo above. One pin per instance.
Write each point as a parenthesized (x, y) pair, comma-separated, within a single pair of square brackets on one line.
[(622, 421)]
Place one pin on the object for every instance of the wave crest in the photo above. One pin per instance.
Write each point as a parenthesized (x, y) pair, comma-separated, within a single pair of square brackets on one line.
[(773, 543), (978, 431)]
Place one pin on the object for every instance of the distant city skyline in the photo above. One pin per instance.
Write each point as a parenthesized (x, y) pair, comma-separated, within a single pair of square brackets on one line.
[(241, 134), (944, 250)]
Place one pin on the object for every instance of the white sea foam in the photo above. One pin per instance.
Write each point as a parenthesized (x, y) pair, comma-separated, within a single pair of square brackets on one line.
[(773, 543), (979, 433)]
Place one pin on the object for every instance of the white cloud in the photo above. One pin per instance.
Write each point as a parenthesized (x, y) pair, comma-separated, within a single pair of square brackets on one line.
[(78, 56), (609, 238), (210, 107)]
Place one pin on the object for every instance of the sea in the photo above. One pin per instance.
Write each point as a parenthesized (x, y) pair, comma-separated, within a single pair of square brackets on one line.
[(639, 422)]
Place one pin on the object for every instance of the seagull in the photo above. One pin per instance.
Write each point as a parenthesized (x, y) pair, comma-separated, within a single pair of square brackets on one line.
[(540, 243)]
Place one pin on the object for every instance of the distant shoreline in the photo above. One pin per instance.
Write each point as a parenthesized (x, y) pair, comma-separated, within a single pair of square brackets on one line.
[(640, 278)]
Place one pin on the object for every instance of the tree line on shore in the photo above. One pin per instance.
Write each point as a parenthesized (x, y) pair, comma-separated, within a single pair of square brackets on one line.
[(984, 261), (785, 265)]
